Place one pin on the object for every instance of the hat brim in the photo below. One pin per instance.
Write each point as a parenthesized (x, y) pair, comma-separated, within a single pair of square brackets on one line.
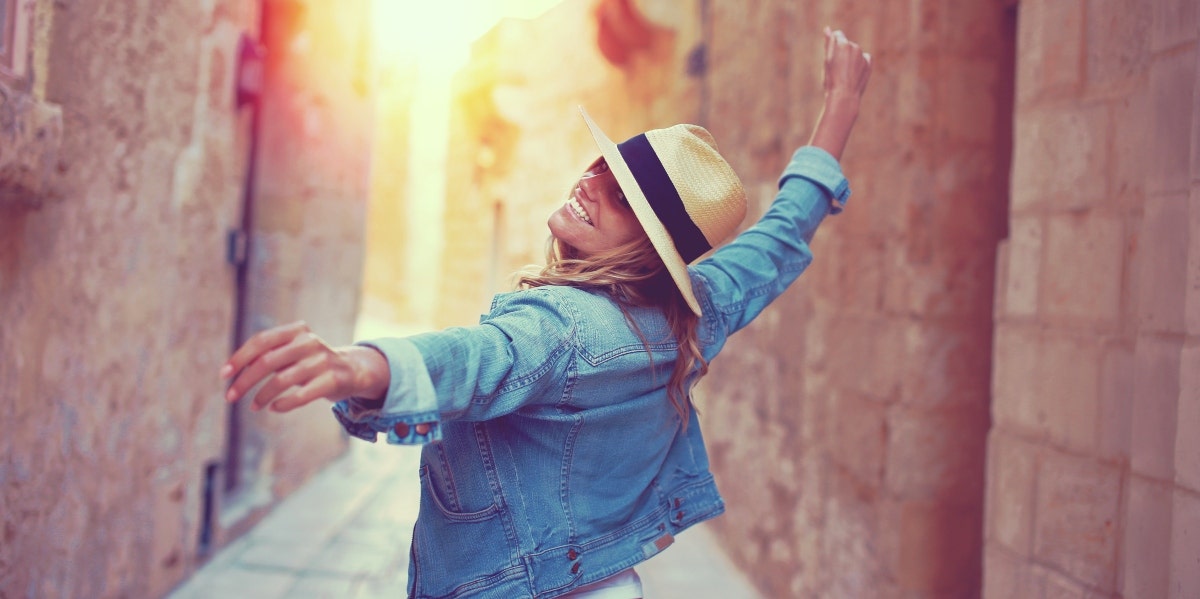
[(654, 228)]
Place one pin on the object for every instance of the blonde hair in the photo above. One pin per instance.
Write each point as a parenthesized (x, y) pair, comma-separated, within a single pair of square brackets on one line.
[(632, 275)]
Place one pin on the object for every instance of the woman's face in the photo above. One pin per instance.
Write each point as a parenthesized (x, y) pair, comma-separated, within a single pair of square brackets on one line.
[(596, 216)]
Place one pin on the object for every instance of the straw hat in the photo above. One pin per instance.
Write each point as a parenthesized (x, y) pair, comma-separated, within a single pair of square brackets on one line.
[(686, 196)]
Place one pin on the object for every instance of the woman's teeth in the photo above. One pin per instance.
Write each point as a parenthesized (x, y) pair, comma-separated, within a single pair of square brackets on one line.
[(577, 208)]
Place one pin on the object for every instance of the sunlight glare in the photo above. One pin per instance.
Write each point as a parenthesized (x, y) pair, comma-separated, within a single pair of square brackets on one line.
[(439, 33), (435, 37)]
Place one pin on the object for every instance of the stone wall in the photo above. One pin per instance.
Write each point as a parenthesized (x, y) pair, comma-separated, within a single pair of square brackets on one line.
[(853, 462), (116, 300), (1093, 476)]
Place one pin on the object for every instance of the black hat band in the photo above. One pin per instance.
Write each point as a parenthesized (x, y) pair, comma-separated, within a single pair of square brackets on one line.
[(664, 199)]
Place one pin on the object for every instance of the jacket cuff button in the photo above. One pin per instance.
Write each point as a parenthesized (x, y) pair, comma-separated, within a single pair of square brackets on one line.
[(401, 429), (572, 554), (575, 568)]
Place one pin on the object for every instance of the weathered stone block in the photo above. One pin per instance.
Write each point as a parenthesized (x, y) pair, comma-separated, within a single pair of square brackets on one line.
[(1005, 575), (850, 545), (861, 426), (1156, 389), (1117, 40), (1048, 584), (30, 135), (1173, 102), (1000, 306), (903, 172), (944, 364), (1192, 300), (1162, 273), (1015, 390), (1185, 546), (1012, 471), (1174, 23), (936, 456), (849, 271), (970, 196), (1116, 395), (1132, 121), (1049, 47), (1196, 131), (1147, 538), (842, 346), (1076, 525), (1082, 268), (1069, 389), (940, 277), (968, 92), (1024, 266), (977, 32), (940, 549), (169, 547), (1056, 157), (1187, 443)]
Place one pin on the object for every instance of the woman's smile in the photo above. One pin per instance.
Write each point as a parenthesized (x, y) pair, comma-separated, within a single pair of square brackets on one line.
[(577, 208), (596, 216)]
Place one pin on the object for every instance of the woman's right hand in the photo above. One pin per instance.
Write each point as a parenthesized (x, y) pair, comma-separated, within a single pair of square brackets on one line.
[(296, 367), (847, 69)]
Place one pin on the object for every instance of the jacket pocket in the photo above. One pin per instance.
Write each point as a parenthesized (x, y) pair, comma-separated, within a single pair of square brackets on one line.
[(454, 516), (458, 553)]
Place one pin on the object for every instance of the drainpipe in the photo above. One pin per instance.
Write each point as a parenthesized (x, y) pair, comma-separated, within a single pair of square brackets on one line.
[(251, 56), (251, 64)]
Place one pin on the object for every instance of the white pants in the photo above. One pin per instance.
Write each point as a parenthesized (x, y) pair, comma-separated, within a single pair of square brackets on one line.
[(623, 585)]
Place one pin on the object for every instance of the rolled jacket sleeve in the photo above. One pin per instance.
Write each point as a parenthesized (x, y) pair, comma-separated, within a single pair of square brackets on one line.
[(818, 167), (741, 278), (410, 400), (520, 353)]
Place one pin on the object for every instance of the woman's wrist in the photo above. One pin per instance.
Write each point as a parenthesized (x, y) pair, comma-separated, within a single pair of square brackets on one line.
[(843, 102), (371, 373), (832, 131)]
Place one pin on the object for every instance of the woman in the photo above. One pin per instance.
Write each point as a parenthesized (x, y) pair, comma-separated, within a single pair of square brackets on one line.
[(560, 444)]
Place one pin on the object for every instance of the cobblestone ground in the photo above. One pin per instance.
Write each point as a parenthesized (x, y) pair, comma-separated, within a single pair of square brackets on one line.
[(345, 535)]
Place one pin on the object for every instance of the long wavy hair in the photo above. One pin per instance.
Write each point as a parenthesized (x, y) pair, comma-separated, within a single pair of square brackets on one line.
[(632, 275)]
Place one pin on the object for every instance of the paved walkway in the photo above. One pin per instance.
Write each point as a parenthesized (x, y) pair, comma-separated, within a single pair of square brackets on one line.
[(345, 535)]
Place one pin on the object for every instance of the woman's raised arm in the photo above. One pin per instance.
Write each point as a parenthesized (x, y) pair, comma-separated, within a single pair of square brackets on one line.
[(847, 69)]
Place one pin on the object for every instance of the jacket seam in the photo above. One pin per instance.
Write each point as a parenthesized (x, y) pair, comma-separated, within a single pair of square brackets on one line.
[(565, 480), (759, 290)]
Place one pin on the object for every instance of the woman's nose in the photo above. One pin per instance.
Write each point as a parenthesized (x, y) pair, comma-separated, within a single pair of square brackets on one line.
[(598, 187)]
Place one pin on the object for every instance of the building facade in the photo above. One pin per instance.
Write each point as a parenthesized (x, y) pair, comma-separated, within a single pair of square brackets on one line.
[(132, 152)]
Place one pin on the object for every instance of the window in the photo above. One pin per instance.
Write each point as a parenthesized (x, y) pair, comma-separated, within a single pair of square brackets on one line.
[(14, 38)]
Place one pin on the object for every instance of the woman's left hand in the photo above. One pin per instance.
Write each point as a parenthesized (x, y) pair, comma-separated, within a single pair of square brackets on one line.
[(299, 368)]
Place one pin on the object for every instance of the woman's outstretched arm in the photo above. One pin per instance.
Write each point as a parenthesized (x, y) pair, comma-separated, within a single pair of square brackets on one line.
[(847, 69)]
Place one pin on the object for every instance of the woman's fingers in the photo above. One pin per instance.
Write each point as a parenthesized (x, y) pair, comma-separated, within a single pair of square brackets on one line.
[(846, 65), (323, 386), (260, 343), (268, 352), (297, 372), (292, 366)]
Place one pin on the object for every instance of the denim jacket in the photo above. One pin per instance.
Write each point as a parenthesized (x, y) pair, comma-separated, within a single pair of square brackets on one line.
[(554, 458)]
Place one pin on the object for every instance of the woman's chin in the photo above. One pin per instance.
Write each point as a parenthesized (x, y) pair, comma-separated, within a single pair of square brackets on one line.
[(563, 227)]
